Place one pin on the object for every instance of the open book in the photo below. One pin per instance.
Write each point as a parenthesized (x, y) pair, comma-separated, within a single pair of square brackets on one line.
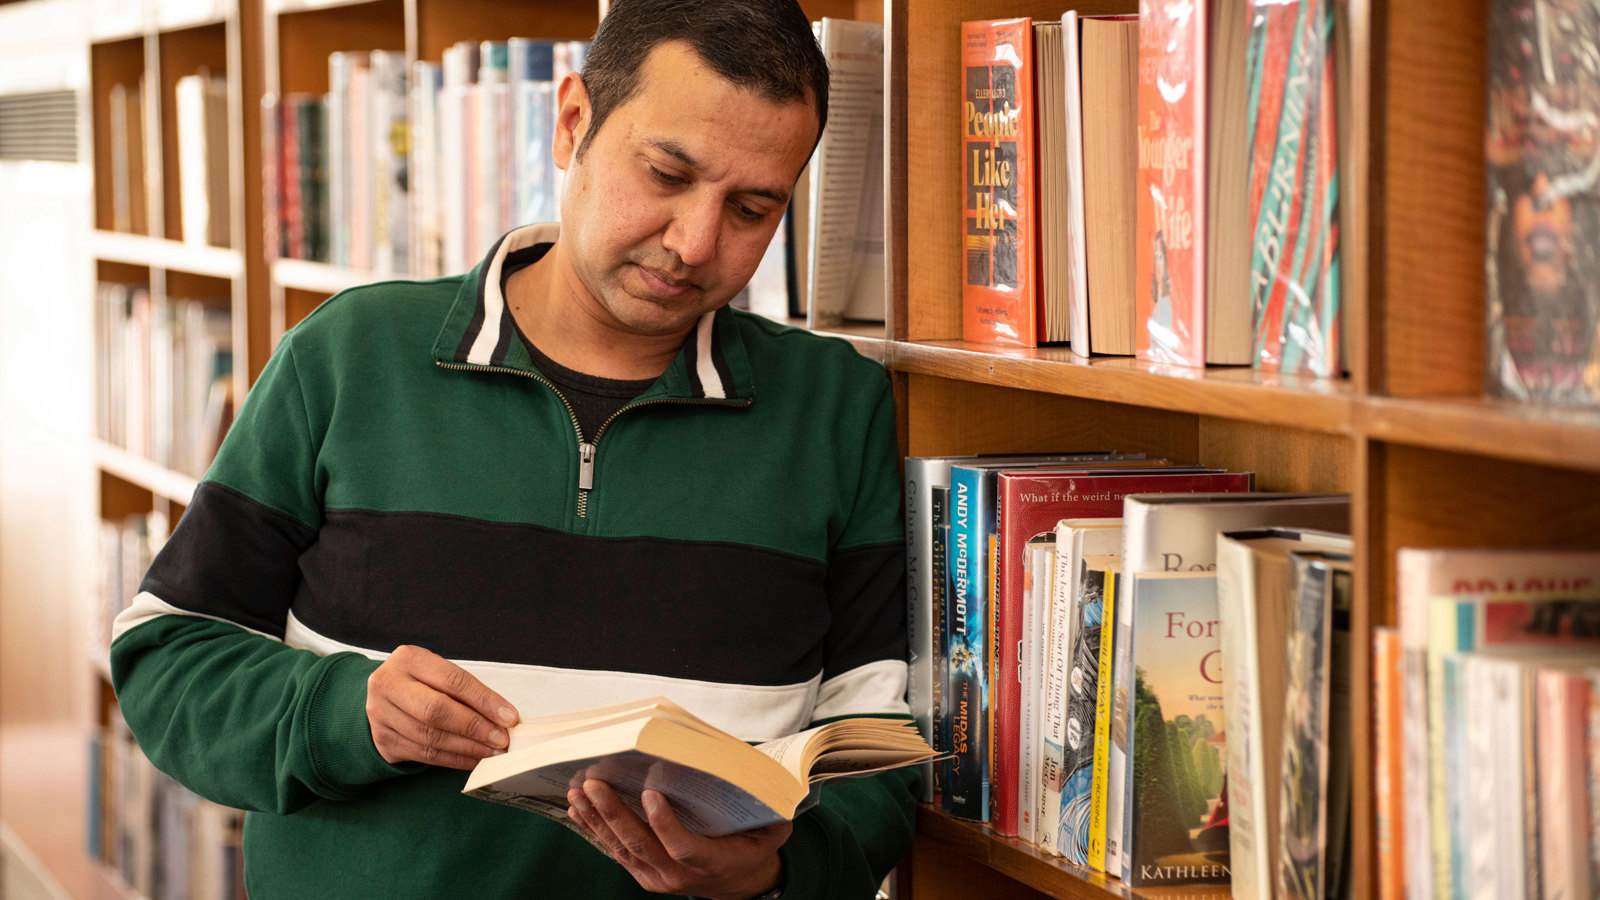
[(717, 784)]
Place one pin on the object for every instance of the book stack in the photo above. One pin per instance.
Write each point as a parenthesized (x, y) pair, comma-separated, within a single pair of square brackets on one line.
[(1489, 686), (1123, 204), (127, 547), (204, 195), (164, 373), (1066, 618)]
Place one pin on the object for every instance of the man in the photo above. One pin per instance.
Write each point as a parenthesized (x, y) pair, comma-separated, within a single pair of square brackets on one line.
[(571, 477)]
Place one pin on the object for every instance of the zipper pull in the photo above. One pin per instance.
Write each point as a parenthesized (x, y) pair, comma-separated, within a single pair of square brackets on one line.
[(585, 467)]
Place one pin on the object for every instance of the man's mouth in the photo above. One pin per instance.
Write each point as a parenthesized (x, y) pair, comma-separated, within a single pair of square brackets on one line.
[(664, 284)]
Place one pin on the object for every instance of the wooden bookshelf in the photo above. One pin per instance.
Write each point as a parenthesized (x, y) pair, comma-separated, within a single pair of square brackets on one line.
[(1406, 431)]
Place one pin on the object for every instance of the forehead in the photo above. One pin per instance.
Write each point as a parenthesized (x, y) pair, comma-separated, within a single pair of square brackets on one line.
[(679, 97)]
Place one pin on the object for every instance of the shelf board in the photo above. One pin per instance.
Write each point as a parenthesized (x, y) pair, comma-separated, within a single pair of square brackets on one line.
[(1564, 437), (280, 7), (1314, 404), (135, 469), (321, 277), (158, 253), (1041, 871)]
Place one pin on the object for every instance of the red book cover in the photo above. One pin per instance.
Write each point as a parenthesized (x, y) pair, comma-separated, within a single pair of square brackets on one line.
[(1000, 265), (1032, 503), (1171, 211)]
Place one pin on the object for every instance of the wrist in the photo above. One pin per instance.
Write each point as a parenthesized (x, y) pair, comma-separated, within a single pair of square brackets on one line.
[(770, 887)]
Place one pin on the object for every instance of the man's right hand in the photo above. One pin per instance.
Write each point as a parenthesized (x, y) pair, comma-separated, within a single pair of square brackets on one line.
[(424, 708)]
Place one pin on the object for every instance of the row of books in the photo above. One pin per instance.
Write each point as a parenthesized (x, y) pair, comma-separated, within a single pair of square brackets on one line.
[(161, 839), (200, 112), (414, 171), (1486, 696), (164, 375), (1160, 185), (1067, 649), (127, 547)]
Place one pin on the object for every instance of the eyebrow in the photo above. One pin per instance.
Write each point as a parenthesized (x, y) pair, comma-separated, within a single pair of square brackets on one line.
[(676, 151)]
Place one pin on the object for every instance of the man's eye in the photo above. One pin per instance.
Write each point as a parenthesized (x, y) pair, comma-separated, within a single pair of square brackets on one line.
[(665, 178), (748, 214)]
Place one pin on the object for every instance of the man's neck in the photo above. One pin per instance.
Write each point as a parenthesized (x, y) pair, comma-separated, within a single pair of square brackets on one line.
[(556, 313)]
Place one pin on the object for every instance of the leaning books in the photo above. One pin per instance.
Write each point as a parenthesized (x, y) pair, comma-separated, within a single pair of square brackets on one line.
[(716, 783)]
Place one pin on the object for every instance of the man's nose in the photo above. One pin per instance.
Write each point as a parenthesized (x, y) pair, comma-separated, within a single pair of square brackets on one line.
[(693, 232)]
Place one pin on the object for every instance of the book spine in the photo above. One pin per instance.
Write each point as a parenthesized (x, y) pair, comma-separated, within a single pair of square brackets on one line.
[(1005, 669), (1121, 727), (1087, 607), (1038, 583), (1057, 660), (1248, 840), (1417, 840), (1452, 772), (966, 780), (1388, 765), (920, 595), (1098, 821)]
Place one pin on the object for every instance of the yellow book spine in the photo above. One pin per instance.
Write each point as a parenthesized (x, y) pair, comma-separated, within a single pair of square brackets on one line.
[(1102, 728)]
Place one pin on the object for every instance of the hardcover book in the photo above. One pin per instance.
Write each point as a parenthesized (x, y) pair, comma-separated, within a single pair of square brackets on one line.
[(717, 784), (1000, 264), (1542, 256), (1294, 188), (1177, 800)]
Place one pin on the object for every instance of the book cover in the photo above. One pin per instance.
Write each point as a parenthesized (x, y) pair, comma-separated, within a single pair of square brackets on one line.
[(1313, 859), (1100, 837), (1038, 583), (390, 144), (1176, 803), (1542, 256), (1490, 775), (1255, 604), (311, 167), (999, 262), (1170, 190), (1032, 502), (1087, 607), (1294, 188), (1565, 820)]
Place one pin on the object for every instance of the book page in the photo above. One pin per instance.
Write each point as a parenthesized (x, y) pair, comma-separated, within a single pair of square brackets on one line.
[(847, 251)]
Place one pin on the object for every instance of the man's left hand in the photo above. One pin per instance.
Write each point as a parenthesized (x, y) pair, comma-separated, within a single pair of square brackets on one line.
[(665, 857)]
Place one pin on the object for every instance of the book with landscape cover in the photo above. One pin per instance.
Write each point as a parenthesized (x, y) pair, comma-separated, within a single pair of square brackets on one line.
[(1177, 803), (1256, 607), (1032, 502), (1294, 188), (1542, 253), (717, 784), (1000, 263)]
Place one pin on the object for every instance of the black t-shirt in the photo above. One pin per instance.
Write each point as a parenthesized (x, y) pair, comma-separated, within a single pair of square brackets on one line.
[(591, 398)]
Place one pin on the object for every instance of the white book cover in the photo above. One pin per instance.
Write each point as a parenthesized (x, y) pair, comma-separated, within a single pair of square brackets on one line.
[(339, 66), (847, 196), (1038, 579), (427, 247)]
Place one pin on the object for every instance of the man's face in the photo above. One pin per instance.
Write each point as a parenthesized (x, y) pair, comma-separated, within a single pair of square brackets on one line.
[(672, 204)]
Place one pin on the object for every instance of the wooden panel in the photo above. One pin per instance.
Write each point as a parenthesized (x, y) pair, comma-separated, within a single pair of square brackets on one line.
[(954, 417), (298, 304), (933, 155), (1567, 438), (118, 62), (441, 23), (189, 286), (1284, 459), (1426, 313), (121, 273), (938, 874), (183, 53), (120, 499), (306, 38)]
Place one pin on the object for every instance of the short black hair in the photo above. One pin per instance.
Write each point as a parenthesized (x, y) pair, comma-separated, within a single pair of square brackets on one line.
[(765, 46)]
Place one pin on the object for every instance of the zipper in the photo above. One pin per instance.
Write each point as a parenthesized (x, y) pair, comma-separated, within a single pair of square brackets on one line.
[(588, 449)]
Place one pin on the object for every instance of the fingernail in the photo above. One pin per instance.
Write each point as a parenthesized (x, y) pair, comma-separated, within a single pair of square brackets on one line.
[(651, 801), (498, 738), (508, 716)]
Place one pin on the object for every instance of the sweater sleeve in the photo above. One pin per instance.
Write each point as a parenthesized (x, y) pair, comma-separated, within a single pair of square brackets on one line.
[(861, 828), (202, 674)]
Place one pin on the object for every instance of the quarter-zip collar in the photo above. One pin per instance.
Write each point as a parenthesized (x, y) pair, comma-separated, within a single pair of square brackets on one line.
[(478, 333)]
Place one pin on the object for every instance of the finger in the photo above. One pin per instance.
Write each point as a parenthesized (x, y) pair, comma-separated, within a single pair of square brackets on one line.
[(435, 718), (399, 748), (396, 718), (681, 844), (634, 835), (581, 809), (445, 676)]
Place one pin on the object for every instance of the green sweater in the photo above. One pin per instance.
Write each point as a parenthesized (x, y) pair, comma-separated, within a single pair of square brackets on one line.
[(401, 474)]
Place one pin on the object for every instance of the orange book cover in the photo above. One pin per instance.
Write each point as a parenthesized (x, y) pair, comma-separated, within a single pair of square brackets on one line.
[(1171, 213), (1386, 681), (1000, 290)]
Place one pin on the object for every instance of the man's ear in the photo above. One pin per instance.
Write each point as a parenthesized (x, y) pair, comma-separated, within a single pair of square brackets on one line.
[(572, 119)]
